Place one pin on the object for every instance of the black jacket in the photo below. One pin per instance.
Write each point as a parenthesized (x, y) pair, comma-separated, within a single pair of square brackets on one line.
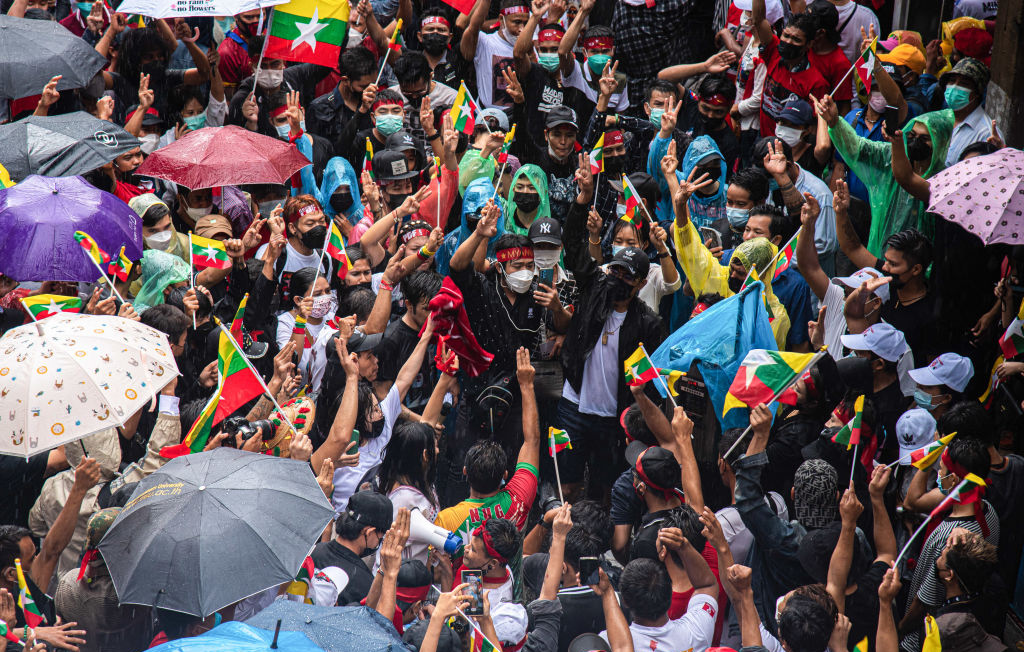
[(303, 78), (593, 307)]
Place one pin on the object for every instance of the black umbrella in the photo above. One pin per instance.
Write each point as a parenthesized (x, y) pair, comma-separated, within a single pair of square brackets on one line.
[(61, 145), (33, 51), (210, 529), (335, 629)]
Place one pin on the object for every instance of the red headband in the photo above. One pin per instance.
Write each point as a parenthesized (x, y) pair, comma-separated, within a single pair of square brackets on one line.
[(306, 210), (517, 9), (598, 42), (955, 467), (431, 20), (278, 111), (699, 308), (622, 422), (714, 100), (485, 536), (384, 102), (514, 253), (809, 384), (412, 594), (149, 111), (643, 476), (612, 138), (414, 233), (550, 34)]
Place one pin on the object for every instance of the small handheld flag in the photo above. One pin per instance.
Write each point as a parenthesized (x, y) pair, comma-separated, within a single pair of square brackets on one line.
[(503, 154), (1012, 341), (98, 256), (932, 641), (639, 368), (397, 41), (368, 158), (597, 157), (763, 375), (313, 32), (336, 250), (785, 256), (120, 266), (207, 252), (629, 193), (558, 440), (33, 617), (850, 433), (925, 456), (463, 111), (47, 305), (6, 632)]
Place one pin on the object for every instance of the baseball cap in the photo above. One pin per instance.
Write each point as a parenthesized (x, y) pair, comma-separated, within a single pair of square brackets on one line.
[(589, 643), (633, 260), (798, 112), (390, 165), (949, 369), (213, 225), (546, 230), (510, 623), (861, 276), (560, 115), (961, 632), (497, 114), (414, 582), (360, 342), (773, 8), (655, 465), (972, 69), (400, 141), (327, 584), (905, 54), (881, 339), (149, 119), (914, 429), (371, 509), (899, 37)]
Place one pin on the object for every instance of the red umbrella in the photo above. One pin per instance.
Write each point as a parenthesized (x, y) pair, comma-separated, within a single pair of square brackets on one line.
[(224, 156)]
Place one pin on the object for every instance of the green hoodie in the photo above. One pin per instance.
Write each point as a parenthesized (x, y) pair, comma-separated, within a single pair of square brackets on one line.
[(539, 179), (892, 208)]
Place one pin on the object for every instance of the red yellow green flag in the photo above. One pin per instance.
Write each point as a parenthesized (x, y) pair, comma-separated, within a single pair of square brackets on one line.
[(558, 440), (207, 252), (239, 383), (862, 646), (503, 154), (47, 305), (368, 158), (120, 266), (850, 433), (99, 256), (925, 456), (762, 375), (336, 250), (597, 157), (312, 31), (932, 642), (785, 258), (463, 111), (6, 632), (396, 41), (967, 492), (33, 618), (639, 368), (1012, 341), (298, 589), (632, 203)]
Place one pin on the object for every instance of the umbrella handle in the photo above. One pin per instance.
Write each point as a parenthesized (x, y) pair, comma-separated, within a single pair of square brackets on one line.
[(277, 632)]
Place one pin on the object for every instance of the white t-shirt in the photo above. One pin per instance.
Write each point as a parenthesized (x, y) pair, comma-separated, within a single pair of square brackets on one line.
[(492, 53), (600, 387), (285, 326), (980, 9), (691, 632), (346, 479), (319, 354), (849, 38), (579, 78), (297, 261)]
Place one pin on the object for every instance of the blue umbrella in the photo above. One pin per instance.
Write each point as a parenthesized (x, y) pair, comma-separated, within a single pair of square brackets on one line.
[(239, 637), (335, 629), (38, 220)]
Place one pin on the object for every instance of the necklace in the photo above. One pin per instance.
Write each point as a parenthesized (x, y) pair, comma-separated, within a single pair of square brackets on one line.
[(604, 337)]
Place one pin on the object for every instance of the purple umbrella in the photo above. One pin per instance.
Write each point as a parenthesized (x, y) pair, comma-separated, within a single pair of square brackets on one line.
[(984, 195), (38, 220)]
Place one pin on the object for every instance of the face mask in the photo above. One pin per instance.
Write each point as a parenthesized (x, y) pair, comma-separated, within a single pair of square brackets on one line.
[(194, 122), (548, 62), (620, 210), (435, 44), (713, 171), (508, 36), (711, 124), (788, 135), (617, 248), (197, 213), (526, 201), (149, 143), (225, 23), (614, 165), (917, 149), (656, 116), (957, 97), (396, 200), (788, 51), (924, 400), (321, 306), (472, 219), (735, 284), (519, 282), (737, 216), (941, 483), (618, 289), (283, 130), (84, 7), (159, 241), (156, 70), (546, 258), (314, 238), (270, 79), (248, 29), (388, 124), (341, 201), (877, 101), (597, 62), (370, 552), (828, 432), (267, 207)]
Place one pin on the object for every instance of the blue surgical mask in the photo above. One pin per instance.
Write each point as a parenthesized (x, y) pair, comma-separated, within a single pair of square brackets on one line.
[(656, 116), (737, 216), (283, 130), (957, 97), (84, 7), (194, 122), (388, 124), (616, 249), (597, 62), (226, 23), (548, 61), (620, 210), (923, 399)]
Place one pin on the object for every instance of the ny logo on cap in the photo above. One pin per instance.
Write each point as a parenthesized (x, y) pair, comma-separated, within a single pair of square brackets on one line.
[(545, 228)]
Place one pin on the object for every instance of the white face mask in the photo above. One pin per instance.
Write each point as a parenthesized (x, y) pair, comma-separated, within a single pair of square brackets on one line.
[(321, 306), (149, 143), (159, 241), (877, 101), (270, 79), (197, 213), (546, 258), (519, 282), (788, 135)]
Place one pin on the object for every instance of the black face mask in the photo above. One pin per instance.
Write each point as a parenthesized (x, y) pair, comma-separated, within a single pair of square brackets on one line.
[(828, 432), (314, 238), (156, 70), (713, 172), (896, 283), (618, 289), (395, 200), (917, 149), (341, 201), (788, 51), (472, 219), (711, 124), (415, 102), (435, 44), (735, 284), (526, 201), (614, 164)]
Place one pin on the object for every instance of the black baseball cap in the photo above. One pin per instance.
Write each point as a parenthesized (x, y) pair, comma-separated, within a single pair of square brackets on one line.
[(371, 509), (560, 115), (658, 467), (390, 165), (589, 643), (400, 141), (633, 260), (360, 342), (415, 579), (546, 230)]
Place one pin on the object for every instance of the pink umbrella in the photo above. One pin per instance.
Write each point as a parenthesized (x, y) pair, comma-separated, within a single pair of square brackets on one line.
[(984, 195), (224, 156)]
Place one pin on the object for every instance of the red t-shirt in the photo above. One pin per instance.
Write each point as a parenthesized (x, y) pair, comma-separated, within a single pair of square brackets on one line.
[(234, 65), (833, 67), (782, 84), (682, 600)]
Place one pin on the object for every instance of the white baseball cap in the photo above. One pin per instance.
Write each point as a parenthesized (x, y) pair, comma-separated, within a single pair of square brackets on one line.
[(773, 8), (881, 339), (914, 429), (510, 622), (861, 276), (327, 584), (949, 369)]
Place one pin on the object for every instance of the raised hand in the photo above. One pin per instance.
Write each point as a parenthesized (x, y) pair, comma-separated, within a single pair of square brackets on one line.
[(584, 176), (691, 185), (720, 62), (50, 92), (827, 109), (427, 115), (809, 211), (524, 369), (608, 83), (146, 96), (669, 162), (670, 117), (512, 85)]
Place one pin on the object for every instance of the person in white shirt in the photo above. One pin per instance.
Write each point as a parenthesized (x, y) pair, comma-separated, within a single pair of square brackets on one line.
[(963, 88), (490, 53), (303, 221), (853, 18), (313, 304)]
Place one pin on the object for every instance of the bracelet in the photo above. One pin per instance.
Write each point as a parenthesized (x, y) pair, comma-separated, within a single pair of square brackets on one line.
[(787, 186), (664, 255), (593, 243), (426, 252), (429, 137), (384, 285)]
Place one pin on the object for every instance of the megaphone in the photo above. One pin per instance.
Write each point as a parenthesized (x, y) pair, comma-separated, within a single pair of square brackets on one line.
[(422, 530)]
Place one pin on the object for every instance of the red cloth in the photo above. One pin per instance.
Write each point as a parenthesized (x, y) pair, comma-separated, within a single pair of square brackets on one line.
[(452, 324), (781, 83), (125, 191), (680, 600), (234, 65), (75, 23), (833, 66)]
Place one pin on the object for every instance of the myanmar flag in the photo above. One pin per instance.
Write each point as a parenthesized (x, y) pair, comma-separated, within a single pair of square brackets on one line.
[(639, 368), (862, 646), (208, 253), (558, 441), (311, 31), (239, 383), (47, 305), (463, 111), (632, 203), (752, 278), (396, 42), (5, 178), (850, 433), (925, 456), (503, 154), (762, 375), (33, 617), (668, 382), (99, 256), (368, 158), (1012, 341), (865, 64), (967, 492), (6, 632), (785, 258), (298, 589), (120, 266), (199, 434), (336, 250), (597, 157)]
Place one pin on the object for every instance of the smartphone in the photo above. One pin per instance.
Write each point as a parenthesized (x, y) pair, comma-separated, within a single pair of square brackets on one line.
[(589, 567), (547, 276), (892, 119), (709, 233), (475, 591), (354, 446)]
